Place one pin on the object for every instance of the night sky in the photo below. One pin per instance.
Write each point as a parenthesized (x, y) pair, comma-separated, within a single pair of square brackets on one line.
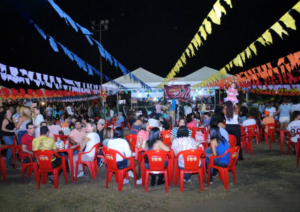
[(142, 33)]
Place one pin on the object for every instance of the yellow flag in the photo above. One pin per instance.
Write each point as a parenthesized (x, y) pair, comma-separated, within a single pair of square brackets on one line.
[(229, 3), (297, 7), (214, 18), (262, 41), (195, 43), (253, 48), (236, 62), (243, 56), (240, 62), (219, 9), (202, 32), (268, 37), (207, 25), (248, 53), (192, 49), (228, 67), (183, 58), (231, 64), (188, 52), (289, 21), (278, 29), (198, 39)]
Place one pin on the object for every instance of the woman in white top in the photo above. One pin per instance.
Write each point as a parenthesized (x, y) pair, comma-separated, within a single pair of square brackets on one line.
[(231, 113), (23, 120), (91, 138), (38, 110)]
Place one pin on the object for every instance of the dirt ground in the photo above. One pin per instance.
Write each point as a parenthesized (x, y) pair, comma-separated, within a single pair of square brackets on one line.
[(266, 181)]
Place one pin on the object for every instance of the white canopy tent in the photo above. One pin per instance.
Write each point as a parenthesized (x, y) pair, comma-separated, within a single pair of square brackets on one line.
[(147, 77)]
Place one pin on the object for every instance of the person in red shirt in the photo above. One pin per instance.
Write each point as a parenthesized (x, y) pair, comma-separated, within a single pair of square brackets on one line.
[(26, 142)]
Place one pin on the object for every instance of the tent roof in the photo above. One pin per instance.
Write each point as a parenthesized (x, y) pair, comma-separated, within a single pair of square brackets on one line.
[(147, 77), (198, 76)]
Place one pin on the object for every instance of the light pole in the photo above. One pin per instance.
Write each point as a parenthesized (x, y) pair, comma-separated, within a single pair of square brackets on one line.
[(102, 26)]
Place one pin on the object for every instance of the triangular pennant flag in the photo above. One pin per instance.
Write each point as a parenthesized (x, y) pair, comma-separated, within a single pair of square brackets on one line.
[(280, 61), (278, 29), (297, 7), (268, 37), (53, 44), (292, 59), (213, 17), (289, 21), (229, 3), (253, 48), (202, 32), (40, 31), (262, 41), (207, 25)]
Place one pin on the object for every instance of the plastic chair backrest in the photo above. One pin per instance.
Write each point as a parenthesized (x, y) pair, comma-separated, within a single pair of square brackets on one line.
[(242, 130), (129, 125), (191, 158), (166, 134), (270, 128), (251, 129), (232, 141), (96, 147), (61, 137), (156, 159), (44, 158), (20, 151), (132, 139), (112, 121), (193, 129), (234, 154), (122, 125), (111, 158)]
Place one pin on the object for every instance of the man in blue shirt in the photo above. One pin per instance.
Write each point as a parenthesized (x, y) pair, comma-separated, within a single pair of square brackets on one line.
[(119, 120)]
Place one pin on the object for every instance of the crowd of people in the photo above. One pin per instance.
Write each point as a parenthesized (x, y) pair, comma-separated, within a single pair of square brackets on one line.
[(34, 128)]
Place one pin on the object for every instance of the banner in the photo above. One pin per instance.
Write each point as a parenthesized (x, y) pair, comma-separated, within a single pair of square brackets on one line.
[(177, 91)]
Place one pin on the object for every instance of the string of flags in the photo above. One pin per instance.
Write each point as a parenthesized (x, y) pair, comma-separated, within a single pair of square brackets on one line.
[(265, 39), (214, 16), (113, 61)]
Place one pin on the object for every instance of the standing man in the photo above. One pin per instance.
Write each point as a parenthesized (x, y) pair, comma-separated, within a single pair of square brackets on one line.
[(97, 110), (219, 109), (91, 111), (172, 113), (124, 113), (158, 109)]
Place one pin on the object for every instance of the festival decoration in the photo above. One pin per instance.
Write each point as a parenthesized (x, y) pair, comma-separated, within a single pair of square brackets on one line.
[(102, 51), (265, 39), (206, 28)]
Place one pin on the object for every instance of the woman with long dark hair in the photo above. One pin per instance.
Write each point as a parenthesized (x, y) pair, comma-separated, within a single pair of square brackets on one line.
[(154, 143), (174, 131), (218, 146), (232, 123), (190, 121)]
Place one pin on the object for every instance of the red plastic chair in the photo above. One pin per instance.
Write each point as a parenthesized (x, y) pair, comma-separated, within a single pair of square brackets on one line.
[(150, 127), (193, 129), (129, 126), (223, 171), (246, 141), (111, 166), (232, 141), (44, 158), (166, 134), (2, 168), (112, 121), (31, 166), (92, 165), (296, 146), (252, 130), (271, 133), (242, 130), (122, 125), (156, 166), (191, 166), (64, 138), (132, 139)]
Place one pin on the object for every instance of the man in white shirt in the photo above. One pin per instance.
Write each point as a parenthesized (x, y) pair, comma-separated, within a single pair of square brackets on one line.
[(249, 121), (153, 122), (111, 113), (296, 107), (91, 139), (119, 144), (294, 126)]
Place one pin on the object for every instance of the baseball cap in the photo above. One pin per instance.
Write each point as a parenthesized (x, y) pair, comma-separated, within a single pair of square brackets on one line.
[(101, 121)]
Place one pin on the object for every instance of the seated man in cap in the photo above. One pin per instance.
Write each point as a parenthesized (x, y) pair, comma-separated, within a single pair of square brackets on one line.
[(267, 120)]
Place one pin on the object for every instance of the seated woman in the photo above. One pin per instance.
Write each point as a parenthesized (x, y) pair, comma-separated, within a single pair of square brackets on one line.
[(183, 142), (206, 119), (154, 143), (143, 134), (218, 145), (164, 123), (120, 144), (190, 121), (136, 126), (175, 129)]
